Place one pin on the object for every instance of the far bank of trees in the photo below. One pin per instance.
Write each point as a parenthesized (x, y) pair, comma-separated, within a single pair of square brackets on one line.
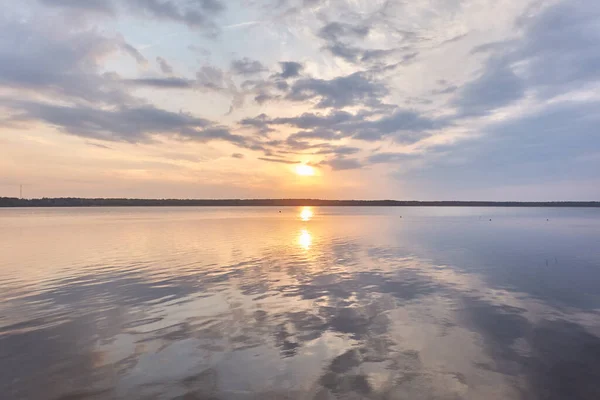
[(115, 202)]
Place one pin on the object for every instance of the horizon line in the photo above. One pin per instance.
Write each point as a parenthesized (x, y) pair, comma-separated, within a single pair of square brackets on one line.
[(275, 202)]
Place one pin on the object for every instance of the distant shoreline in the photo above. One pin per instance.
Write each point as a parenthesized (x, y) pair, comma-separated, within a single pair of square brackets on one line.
[(116, 202)]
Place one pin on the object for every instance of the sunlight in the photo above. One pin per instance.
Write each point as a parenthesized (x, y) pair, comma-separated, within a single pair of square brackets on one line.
[(305, 239), (305, 170), (306, 214)]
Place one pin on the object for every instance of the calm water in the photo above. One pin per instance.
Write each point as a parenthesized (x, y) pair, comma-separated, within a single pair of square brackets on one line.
[(321, 303)]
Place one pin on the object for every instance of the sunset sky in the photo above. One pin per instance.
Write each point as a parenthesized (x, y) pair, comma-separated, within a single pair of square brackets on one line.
[(420, 99)]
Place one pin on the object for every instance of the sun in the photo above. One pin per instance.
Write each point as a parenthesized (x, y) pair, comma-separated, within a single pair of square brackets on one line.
[(305, 170)]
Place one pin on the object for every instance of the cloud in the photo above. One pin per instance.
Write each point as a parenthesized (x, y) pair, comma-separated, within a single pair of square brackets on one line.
[(237, 155), (341, 39), (290, 69), (404, 126), (133, 52), (335, 31), (558, 53), (275, 160), (323, 134), (212, 78), (246, 66), (385, 158), (448, 90), (359, 88), (310, 120), (550, 145), (101, 146), (342, 163), (62, 63), (103, 6), (197, 14), (339, 150), (561, 46), (498, 86), (164, 83), (260, 123), (343, 91), (129, 124), (164, 66)]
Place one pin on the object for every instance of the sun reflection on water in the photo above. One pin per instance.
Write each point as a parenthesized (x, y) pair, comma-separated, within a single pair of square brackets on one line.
[(306, 214), (305, 239)]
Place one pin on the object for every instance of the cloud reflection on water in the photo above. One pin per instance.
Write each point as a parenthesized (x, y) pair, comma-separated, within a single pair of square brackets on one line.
[(223, 318)]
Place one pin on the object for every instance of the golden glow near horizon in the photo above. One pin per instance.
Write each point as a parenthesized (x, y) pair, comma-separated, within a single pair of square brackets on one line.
[(305, 170), (305, 239), (306, 214)]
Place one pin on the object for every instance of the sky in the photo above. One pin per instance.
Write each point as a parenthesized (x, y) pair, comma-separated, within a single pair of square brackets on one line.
[(384, 99)]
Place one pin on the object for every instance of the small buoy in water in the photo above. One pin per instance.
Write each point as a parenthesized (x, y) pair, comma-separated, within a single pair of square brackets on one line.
[(401, 216), (279, 211), (547, 219), (490, 219)]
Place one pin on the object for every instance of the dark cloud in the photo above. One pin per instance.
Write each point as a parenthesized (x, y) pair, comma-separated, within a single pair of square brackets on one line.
[(164, 66), (448, 90), (237, 155), (246, 66), (339, 150), (557, 54), (498, 86), (310, 120), (341, 40), (212, 6), (551, 145), (281, 161), (348, 53), (368, 55), (343, 91), (196, 14), (323, 134), (405, 126), (290, 69), (104, 6), (130, 124), (336, 34), (561, 45), (342, 163), (101, 146), (215, 133), (135, 53), (335, 31), (260, 123), (359, 88), (165, 83), (382, 158), (357, 55)]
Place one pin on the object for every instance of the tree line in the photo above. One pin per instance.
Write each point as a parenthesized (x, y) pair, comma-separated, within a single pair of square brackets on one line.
[(124, 202)]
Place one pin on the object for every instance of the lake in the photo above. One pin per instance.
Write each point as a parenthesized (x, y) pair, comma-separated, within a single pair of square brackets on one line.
[(300, 303)]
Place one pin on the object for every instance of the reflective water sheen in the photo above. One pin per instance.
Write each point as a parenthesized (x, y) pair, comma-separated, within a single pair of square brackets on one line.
[(321, 303)]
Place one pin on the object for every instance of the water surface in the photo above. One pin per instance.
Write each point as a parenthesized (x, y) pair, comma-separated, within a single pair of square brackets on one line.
[(306, 303)]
